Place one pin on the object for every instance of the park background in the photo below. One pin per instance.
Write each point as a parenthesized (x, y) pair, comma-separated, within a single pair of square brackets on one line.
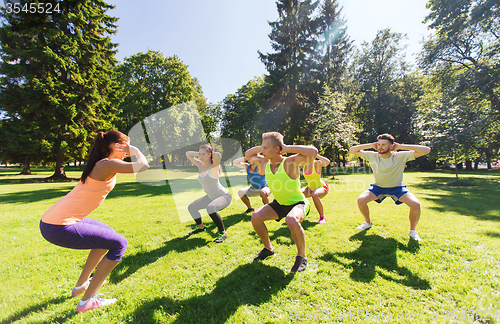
[(61, 82)]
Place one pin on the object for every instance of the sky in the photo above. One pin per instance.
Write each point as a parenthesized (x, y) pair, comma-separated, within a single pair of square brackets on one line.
[(219, 39)]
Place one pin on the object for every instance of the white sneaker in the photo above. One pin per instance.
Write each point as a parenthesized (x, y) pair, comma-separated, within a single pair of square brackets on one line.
[(364, 226), (414, 235)]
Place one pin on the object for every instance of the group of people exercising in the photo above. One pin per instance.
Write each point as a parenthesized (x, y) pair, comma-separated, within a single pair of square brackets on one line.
[(66, 223)]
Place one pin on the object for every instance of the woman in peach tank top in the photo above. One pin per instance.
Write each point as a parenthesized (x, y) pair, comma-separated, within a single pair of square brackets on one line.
[(65, 223)]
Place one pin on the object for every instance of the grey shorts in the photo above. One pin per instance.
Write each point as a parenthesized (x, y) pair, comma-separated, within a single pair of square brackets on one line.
[(252, 192)]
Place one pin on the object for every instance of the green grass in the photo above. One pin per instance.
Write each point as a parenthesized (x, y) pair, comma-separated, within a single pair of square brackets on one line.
[(166, 277)]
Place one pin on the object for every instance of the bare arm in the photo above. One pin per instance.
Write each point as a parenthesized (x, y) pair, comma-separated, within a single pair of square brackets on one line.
[(114, 166), (356, 150), (420, 150), (253, 156), (240, 163), (324, 161), (305, 154), (191, 155)]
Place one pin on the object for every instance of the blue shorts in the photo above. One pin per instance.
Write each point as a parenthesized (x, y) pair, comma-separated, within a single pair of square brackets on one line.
[(394, 192)]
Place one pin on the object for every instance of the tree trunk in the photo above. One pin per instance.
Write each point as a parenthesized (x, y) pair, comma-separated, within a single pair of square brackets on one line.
[(476, 164), (468, 165), (26, 168), (59, 173)]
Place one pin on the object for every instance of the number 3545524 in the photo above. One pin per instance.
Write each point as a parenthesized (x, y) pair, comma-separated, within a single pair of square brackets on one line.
[(41, 7)]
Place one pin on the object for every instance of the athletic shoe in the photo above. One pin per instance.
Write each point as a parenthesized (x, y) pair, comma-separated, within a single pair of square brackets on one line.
[(221, 238), (263, 254), (249, 210), (414, 235), (364, 226), (93, 303), (322, 220), (300, 264), (196, 231), (78, 290)]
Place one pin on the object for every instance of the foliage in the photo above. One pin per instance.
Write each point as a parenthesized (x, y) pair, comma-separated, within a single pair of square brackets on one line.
[(389, 91), (333, 132), (57, 79)]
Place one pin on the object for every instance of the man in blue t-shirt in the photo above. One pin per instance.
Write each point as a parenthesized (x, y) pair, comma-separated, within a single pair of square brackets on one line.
[(258, 187), (388, 166)]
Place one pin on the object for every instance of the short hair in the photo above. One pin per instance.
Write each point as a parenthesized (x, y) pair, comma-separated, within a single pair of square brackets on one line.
[(386, 136), (275, 137)]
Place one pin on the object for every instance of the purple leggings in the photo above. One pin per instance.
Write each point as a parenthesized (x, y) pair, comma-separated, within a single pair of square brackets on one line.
[(84, 235)]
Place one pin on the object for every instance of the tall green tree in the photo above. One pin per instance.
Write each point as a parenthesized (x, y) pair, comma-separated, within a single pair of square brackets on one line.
[(333, 47), (333, 133), (151, 82), (241, 113), (389, 92), (293, 40), (57, 74), (464, 54)]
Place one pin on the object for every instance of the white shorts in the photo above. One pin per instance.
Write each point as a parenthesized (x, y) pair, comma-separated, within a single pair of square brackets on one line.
[(252, 192)]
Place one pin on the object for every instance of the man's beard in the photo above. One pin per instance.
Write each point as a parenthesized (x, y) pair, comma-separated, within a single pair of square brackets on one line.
[(384, 152)]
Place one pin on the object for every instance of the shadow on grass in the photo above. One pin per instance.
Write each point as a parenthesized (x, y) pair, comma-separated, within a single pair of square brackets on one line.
[(127, 189), (492, 234), (41, 307), (249, 284), (378, 252), (131, 263), (479, 201), (284, 231)]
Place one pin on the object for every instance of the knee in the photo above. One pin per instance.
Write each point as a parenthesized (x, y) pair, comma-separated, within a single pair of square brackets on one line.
[(291, 220), (211, 210), (241, 193), (314, 195), (415, 205), (256, 218), (361, 201)]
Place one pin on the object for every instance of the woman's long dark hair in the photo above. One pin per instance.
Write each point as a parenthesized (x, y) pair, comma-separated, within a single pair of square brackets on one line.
[(100, 149)]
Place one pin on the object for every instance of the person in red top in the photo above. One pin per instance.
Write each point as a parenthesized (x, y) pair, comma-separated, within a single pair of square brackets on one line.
[(65, 223)]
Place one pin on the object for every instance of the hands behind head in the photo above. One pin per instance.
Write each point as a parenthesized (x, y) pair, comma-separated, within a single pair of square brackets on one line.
[(123, 147), (284, 148)]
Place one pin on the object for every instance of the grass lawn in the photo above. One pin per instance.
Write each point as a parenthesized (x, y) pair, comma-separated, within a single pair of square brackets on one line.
[(374, 276)]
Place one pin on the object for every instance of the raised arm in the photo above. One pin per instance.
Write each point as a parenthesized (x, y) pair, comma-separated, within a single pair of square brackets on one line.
[(118, 166), (420, 150), (253, 156), (324, 161), (240, 163), (305, 154), (191, 155), (356, 150)]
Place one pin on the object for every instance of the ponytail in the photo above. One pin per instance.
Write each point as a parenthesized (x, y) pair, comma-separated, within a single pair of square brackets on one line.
[(101, 149)]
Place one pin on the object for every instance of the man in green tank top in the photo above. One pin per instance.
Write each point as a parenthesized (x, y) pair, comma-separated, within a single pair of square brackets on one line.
[(283, 178)]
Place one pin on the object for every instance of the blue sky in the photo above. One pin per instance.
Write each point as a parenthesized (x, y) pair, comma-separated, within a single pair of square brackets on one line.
[(219, 39)]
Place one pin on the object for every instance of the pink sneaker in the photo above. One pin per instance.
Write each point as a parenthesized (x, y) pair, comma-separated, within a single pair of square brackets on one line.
[(77, 291), (93, 303), (322, 219)]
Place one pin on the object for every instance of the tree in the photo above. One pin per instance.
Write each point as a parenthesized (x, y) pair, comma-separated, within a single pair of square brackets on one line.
[(333, 132), (389, 92), (333, 47), (451, 124), (241, 113), (293, 39), (58, 75), (150, 83), (466, 43)]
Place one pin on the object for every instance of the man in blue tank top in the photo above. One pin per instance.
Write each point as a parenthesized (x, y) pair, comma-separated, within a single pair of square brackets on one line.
[(258, 184)]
